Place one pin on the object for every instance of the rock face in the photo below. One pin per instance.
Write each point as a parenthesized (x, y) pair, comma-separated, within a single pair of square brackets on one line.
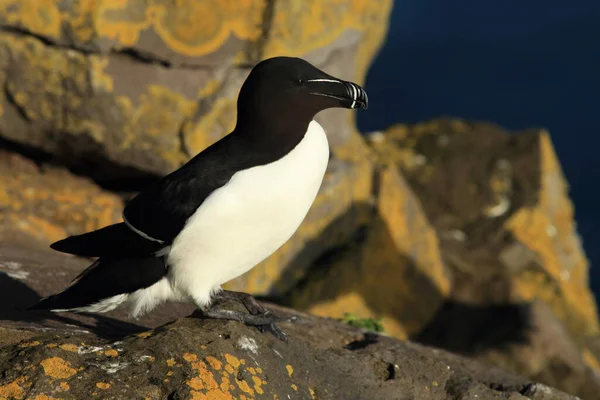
[(387, 270), (146, 85), (48, 203), (500, 207)]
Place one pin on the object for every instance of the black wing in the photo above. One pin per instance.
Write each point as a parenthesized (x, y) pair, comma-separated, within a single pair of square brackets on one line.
[(116, 240)]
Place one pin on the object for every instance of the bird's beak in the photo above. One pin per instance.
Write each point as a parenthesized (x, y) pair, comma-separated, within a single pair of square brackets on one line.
[(348, 94)]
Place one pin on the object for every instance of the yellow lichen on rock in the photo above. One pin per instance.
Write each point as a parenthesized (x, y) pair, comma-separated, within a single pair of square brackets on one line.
[(177, 23), (49, 204), (57, 368), (41, 17), (45, 397), (300, 27), (205, 384), (14, 389), (548, 229), (389, 272)]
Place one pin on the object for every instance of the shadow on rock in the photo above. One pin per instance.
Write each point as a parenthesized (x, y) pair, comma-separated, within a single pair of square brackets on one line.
[(397, 273), (470, 329), (27, 273)]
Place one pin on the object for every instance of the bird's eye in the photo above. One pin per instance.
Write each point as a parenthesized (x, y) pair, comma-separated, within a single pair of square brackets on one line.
[(299, 82)]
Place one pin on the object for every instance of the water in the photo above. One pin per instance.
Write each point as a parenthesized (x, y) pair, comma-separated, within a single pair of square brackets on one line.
[(520, 63)]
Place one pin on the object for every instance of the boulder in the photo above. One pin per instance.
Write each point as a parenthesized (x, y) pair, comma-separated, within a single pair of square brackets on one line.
[(499, 204), (392, 268)]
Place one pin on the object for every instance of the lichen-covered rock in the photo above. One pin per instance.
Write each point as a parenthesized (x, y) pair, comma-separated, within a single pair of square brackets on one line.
[(47, 203), (208, 359), (391, 269), (499, 204), (148, 84)]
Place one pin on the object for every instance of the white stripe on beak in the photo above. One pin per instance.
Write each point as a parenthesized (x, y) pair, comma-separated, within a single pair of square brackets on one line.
[(323, 80), (354, 95)]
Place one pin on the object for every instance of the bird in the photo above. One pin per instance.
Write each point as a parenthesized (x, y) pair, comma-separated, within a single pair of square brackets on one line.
[(224, 211)]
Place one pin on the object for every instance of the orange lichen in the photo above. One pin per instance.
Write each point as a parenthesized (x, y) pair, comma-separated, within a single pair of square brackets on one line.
[(174, 23), (56, 367), (290, 370), (171, 362), (30, 344), (44, 397), (548, 229), (13, 390), (216, 364), (103, 385), (232, 360), (244, 387), (257, 384), (402, 244), (64, 386), (591, 360), (195, 383), (43, 18), (293, 386), (111, 353), (69, 347)]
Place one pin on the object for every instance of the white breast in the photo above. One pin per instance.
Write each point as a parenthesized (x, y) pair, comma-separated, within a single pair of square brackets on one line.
[(245, 221)]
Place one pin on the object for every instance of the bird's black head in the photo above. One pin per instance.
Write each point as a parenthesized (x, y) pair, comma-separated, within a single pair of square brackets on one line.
[(287, 87)]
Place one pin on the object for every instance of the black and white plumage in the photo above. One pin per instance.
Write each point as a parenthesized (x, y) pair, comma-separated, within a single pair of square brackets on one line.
[(223, 212)]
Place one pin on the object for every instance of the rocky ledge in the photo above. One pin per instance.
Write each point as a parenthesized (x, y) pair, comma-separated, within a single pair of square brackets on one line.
[(208, 359)]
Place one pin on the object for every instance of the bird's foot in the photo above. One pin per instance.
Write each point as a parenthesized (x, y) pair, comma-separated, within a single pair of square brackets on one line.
[(265, 322), (246, 299)]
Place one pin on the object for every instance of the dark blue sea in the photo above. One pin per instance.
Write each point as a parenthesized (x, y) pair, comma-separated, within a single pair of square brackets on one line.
[(520, 63)]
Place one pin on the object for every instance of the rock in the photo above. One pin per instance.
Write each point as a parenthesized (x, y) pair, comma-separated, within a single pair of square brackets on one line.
[(500, 207), (508, 230), (524, 338), (391, 269), (48, 203), (130, 87), (210, 359)]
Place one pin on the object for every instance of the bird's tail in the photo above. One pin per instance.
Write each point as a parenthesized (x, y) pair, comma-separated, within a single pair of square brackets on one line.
[(105, 284)]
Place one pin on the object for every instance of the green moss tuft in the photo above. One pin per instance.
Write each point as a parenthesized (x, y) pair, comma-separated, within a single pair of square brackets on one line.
[(371, 324)]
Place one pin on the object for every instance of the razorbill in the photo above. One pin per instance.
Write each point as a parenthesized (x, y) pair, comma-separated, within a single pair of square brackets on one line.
[(224, 211)]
